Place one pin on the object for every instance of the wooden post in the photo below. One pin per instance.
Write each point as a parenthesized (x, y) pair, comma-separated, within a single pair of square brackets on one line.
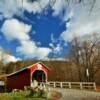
[(61, 85), (81, 86), (94, 85), (54, 84), (69, 85)]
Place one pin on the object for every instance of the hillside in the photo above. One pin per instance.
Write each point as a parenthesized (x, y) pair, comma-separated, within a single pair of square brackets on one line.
[(58, 70)]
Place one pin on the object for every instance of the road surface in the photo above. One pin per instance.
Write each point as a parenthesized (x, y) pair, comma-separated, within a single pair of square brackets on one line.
[(71, 94)]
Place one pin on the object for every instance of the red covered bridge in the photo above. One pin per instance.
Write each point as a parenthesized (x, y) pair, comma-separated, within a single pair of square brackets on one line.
[(25, 77)]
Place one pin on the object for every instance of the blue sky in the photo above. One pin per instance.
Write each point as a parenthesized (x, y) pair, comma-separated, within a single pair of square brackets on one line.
[(36, 30)]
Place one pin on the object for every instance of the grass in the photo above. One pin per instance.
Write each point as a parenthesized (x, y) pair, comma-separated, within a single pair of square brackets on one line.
[(97, 90), (23, 95)]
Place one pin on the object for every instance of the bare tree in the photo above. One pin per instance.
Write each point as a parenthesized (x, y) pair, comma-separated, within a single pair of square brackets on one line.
[(86, 56), (74, 54), (69, 2), (84, 2)]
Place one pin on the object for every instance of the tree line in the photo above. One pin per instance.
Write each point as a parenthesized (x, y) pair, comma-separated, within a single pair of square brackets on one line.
[(82, 63), (86, 56)]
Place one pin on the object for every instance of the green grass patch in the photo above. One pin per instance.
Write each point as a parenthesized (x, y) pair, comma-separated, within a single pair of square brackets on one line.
[(97, 90), (23, 95)]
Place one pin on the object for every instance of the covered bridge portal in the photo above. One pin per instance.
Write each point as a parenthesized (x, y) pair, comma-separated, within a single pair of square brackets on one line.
[(26, 76)]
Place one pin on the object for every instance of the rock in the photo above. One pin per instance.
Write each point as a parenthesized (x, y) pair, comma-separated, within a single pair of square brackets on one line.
[(16, 90), (54, 95)]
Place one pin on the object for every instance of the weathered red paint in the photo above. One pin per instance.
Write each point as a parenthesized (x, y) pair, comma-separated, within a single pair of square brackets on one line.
[(35, 67), (19, 80), (23, 78)]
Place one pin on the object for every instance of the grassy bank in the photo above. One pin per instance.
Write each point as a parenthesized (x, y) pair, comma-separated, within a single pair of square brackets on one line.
[(23, 95)]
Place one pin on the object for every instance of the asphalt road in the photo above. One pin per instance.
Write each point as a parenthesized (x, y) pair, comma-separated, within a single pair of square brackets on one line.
[(71, 94)]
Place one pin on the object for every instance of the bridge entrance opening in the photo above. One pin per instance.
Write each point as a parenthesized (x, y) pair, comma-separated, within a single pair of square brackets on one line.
[(39, 76)]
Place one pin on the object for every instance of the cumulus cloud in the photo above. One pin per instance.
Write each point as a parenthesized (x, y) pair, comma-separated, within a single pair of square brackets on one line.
[(10, 58), (83, 22), (14, 29), (56, 49), (30, 50), (79, 22), (9, 8), (16, 7), (36, 6), (80, 19), (58, 7), (6, 57)]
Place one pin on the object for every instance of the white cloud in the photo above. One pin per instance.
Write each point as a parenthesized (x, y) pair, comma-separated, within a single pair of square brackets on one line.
[(10, 58), (14, 29), (9, 8), (26, 48), (56, 48), (36, 6), (30, 50), (32, 7), (6, 57), (81, 30), (15, 7), (59, 6), (81, 21), (56, 45), (1, 17)]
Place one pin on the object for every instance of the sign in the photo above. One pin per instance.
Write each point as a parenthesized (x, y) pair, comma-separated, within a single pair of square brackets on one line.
[(39, 67), (87, 72), (2, 83)]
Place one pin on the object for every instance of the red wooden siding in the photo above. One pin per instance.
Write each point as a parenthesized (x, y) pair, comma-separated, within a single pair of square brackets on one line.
[(19, 80), (35, 67), (23, 77)]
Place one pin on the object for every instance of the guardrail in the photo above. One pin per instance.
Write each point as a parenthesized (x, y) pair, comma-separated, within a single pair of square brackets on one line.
[(73, 85)]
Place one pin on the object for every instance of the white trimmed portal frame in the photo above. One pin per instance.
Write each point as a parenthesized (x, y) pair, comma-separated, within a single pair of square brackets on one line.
[(42, 80), (39, 68)]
